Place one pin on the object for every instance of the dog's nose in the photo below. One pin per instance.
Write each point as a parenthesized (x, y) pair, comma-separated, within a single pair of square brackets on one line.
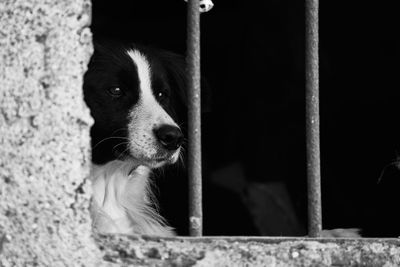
[(169, 136)]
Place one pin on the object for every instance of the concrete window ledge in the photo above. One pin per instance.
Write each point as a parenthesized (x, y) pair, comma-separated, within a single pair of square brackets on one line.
[(248, 251)]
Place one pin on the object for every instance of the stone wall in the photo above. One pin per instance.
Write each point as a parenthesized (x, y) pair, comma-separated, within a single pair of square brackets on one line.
[(251, 251), (44, 134)]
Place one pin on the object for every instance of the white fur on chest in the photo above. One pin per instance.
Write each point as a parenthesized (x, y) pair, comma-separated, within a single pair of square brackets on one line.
[(122, 200)]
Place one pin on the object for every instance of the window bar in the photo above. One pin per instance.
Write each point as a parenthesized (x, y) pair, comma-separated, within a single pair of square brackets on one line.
[(194, 118), (312, 120)]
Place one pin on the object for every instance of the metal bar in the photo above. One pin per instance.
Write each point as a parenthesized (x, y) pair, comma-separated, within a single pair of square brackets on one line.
[(194, 117), (312, 120)]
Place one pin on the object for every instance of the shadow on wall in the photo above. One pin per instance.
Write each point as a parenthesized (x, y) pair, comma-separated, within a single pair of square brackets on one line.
[(253, 140)]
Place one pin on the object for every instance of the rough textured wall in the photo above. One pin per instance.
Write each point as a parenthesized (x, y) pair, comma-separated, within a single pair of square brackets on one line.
[(236, 251), (44, 134)]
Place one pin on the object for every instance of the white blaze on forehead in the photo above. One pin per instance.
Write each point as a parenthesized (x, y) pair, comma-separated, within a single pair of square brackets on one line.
[(147, 114), (147, 102), (144, 74)]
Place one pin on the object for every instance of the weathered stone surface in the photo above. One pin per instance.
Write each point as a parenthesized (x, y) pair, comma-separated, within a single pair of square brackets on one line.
[(44, 134), (229, 252)]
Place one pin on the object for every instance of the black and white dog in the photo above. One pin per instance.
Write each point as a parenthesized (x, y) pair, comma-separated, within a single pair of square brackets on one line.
[(136, 96)]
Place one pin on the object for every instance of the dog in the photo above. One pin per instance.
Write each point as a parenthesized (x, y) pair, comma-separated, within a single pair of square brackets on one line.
[(136, 95)]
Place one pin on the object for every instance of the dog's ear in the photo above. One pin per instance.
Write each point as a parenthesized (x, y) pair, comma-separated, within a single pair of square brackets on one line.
[(176, 68), (106, 50)]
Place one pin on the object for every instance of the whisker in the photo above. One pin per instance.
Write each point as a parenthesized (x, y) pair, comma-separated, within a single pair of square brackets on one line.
[(123, 152), (108, 138), (112, 137), (181, 158), (120, 129), (122, 143)]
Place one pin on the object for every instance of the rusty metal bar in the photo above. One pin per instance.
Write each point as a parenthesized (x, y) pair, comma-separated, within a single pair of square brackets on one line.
[(312, 120), (194, 117)]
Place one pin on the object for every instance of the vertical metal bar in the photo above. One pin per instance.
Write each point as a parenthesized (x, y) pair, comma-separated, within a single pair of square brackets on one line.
[(194, 117), (312, 120)]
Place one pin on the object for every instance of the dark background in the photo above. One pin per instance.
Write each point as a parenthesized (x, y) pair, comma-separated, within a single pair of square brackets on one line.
[(253, 61)]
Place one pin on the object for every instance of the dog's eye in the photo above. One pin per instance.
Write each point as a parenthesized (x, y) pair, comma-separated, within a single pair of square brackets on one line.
[(161, 96), (115, 91)]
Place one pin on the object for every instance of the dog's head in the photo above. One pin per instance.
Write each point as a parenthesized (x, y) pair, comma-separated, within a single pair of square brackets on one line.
[(133, 94)]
